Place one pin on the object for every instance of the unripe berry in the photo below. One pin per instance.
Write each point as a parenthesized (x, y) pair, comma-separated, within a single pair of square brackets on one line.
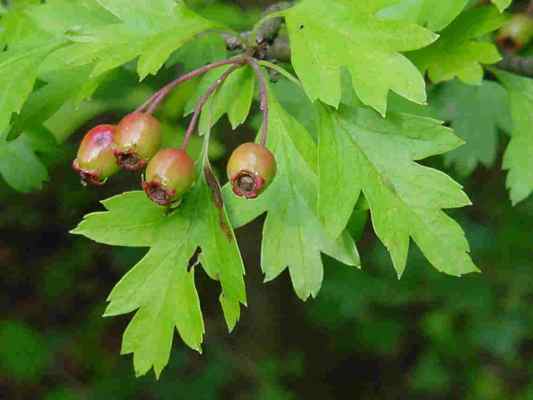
[(168, 176), (137, 139), (250, 169), (95, 161), (516, 33)]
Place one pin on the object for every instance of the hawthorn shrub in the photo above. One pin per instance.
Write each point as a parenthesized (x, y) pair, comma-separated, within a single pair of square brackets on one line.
[(351, 101)]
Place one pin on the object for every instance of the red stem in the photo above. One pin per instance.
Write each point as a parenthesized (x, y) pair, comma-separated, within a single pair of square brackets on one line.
[(153, 102), (203, 100), (263, 94)]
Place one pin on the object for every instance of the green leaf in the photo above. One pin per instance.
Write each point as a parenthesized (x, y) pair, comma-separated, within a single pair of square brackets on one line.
[(60, 87), (518, 158), (359, 152), (327, 36), (115, 226), (292, 220), (66, 17), (434, 14), (18, 72), (205, 49), (459, 52), (476, 114), (19, 165), (15, 26), (150, 30), (161, 286), (233, 98)]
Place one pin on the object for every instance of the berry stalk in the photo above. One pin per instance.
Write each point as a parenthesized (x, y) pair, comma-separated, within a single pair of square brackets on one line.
[(203, 100), (150, 105), (263, 94)]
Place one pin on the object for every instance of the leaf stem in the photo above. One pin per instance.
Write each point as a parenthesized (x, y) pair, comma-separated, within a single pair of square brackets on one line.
[(263, 94), (150, 105), (282, 71), (205, 97)]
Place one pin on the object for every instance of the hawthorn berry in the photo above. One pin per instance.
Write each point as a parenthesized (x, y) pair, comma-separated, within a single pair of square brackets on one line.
[(516, 33), (95, 161), (137, 139), (169, 174), (250, 169)]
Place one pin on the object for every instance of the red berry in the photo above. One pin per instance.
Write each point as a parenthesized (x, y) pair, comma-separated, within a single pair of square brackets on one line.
[(168, 176), (516, 33), (250, 169), (137, 139), (95, 161)]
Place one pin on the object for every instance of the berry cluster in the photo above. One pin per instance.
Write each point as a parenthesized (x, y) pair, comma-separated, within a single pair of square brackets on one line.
[(135, 143)]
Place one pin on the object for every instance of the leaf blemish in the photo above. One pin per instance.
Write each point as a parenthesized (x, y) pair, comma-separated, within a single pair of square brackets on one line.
[(219, 202), (195, 259)]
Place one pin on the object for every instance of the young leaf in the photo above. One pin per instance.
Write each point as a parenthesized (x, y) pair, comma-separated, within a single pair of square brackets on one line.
[(476, 114), (233, 98), (327, 36), (293, 235), (361, 152), (433, 14), (458, 52), (161, 286), (518, 158)]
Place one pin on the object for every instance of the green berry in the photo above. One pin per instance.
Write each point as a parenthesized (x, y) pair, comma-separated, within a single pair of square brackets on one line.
[(95, 161), (169, 175), (251, 169), (137, 139)]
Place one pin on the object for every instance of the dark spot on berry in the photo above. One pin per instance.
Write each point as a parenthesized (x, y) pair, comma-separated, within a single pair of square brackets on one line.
[(301, 27), (157, 193), (246, 183), (130, 161)]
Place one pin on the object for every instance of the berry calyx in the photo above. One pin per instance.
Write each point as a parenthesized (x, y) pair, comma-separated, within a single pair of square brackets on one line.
[(137, 139), (169, 174), (251, 169), (95, 161), (516, 33)]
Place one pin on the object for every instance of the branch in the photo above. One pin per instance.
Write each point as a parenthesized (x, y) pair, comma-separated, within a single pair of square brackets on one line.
[(153, 102), (269, 29), (263, 94), (265, 33), (517, 64)]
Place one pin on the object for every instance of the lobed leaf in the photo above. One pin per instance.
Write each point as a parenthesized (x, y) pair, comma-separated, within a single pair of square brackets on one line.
[(518, 158), (459, 52), (161, 286), (433, 14), (328, 36), (293, 235), (361, 153), (476, 114)]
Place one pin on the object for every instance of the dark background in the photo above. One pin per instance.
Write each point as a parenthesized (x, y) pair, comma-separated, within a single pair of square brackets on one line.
[(367, 336)]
